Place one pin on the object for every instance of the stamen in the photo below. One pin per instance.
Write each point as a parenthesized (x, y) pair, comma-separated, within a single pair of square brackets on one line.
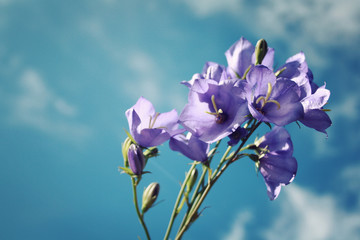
[(213, 103), (268, 92), (152, 123), (278, 72), (259, 99), (276, 102), (265, 99)]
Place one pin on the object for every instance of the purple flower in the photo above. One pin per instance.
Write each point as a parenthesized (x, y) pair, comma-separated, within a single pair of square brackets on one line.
[(313, 98), (213, 111), (314, 115), (190, 146), (272, 100), (276, 165), (211, 70), (149, 128), (136, 159), (237, 135), (241, 55)]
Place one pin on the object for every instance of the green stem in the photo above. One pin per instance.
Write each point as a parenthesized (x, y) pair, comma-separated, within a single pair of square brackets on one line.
[(222, 160), (195, 207), (175, 209), (140, 215)]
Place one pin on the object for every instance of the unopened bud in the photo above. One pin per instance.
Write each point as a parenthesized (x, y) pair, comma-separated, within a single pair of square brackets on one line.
[(136, 159), (125, 149), (261, 49), (149, 196), (192, 180)]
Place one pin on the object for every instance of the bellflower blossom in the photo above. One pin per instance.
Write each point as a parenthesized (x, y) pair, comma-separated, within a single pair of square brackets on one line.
[(211, 70), (272, 100), (226, 101), (149, 128), (276, 165), (313, 98), (241, 55), (190, 146), (213, 111)]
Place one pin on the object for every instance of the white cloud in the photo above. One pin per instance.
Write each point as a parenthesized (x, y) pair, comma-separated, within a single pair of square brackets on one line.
[(237, 231), (301, 24), (207, 7), (348, 108), (351, 176), (345, 111), (305, 215), (150, 82), (326, 21), (147, 76), (37, 106)]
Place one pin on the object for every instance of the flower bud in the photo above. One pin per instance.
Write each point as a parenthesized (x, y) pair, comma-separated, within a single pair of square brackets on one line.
[(149, 196), (125, 150), (261, 49), (136, 159), (192, 180)]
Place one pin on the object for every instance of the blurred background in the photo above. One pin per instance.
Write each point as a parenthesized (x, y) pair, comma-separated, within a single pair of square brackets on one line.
[(70, 69)]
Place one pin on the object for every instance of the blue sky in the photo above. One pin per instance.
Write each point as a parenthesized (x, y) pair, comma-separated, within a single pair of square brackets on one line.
[(70, 69)]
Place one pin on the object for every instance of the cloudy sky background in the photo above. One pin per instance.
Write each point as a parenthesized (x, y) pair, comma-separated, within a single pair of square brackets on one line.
[(70, 69)]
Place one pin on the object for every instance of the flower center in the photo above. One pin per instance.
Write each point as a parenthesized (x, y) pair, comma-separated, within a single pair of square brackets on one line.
[(153, 120), (220, 116), (265, 100)]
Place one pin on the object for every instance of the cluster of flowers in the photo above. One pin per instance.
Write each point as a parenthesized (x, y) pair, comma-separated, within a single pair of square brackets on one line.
[(224, 101)]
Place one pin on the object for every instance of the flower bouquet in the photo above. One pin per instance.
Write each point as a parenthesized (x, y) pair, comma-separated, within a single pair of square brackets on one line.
[(226, 105)]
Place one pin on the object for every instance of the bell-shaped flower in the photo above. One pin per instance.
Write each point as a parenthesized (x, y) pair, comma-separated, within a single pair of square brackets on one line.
[(314, 115), (190, 147), (313, 98), (149, 128), (211, 70), (241, 55), (272, 100), (213, 111), (276, 164), (136, 159)]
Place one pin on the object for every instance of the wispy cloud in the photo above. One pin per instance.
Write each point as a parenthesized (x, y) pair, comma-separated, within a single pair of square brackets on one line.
[(306, 24), (306, 215), (238, 229), (344, 113), (208, 7), (39, 107), (151, 82), (348, 108)]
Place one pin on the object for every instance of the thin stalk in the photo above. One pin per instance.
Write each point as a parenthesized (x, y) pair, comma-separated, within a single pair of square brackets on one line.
[(174, 212), (140, 215), (200, 182), (222, 160), (196, 206)]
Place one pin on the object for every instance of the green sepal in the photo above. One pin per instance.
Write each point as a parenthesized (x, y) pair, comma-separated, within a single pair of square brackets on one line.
[(257, 167), (268, 124), (127, 171), (131, 137), (151, 152)]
